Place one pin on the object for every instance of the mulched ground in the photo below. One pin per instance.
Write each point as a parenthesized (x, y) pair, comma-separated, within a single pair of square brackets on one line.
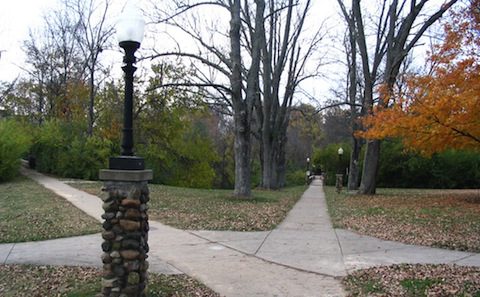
[(415, 281)]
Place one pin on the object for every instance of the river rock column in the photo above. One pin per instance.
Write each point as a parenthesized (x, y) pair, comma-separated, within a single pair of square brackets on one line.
[(125, 234), (339, 182)]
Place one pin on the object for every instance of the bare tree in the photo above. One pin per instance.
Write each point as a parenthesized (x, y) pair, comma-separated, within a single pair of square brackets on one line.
[(63, 57), (53, 62), (267, 60), (352, 94), (242, 88), (92, 37), (398, 27), (284, 58)]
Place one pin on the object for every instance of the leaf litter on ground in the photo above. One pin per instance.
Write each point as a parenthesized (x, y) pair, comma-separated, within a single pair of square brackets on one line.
[(437, 218), (414, 280), (64, 281), (203, 209)]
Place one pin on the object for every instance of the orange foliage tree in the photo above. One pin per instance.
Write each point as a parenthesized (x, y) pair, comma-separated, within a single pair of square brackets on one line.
[(439, 110)]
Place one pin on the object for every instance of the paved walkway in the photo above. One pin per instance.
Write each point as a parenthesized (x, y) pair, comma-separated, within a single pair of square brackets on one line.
[(303, 256)]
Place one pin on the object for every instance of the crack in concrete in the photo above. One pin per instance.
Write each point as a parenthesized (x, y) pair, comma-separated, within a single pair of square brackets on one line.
[(263, 242), (461, 259), (8, 255)]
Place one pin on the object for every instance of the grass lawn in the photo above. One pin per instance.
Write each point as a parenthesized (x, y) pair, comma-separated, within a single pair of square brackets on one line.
[(44, 281), (415, 281), (198, 209), (438, 218), (30, 212)]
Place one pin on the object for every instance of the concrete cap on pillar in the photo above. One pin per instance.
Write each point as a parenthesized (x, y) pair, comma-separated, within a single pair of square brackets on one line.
[(125, 175)]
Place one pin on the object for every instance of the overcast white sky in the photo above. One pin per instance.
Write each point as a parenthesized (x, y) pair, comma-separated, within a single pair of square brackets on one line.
[(15, 19), (18, 16)]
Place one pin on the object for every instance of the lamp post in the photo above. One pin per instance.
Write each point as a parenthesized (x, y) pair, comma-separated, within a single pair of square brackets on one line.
[(339, 175), (340, 154), (125, 226), (307, 172), (130, 29)]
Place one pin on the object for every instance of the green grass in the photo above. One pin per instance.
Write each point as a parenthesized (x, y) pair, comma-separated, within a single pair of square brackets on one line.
[(29, 212), (197, 209), (28, 280), (364, 287), (439, 218), (418, 287)]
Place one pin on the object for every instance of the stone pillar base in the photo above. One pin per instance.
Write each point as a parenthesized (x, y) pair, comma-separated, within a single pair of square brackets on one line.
[(125, 233), (339, 182)]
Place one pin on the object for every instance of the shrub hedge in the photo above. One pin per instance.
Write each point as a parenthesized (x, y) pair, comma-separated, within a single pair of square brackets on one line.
[(15, 140), (400, 168), (64, 149)]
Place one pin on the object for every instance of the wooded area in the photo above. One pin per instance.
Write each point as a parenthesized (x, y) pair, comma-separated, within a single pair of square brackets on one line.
[(224, 110)]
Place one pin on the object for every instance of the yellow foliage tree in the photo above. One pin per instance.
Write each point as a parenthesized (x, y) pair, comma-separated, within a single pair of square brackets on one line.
[(440, 110)]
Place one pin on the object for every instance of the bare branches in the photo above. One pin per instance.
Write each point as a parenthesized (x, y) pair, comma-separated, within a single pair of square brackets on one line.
[(432, 19), (328, 106), (190, 84), (190, 55), (184, 7)]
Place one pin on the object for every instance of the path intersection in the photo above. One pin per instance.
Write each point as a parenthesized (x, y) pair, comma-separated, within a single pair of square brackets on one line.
[(303, 256)]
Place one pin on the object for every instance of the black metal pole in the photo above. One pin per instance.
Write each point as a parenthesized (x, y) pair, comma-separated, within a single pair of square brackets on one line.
[(339, 168), (129, 59), (127, 160), (307, 172)]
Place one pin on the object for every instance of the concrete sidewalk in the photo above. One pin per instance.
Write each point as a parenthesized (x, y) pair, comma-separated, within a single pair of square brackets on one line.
[(90, 204), (306, 240), (303, 256)]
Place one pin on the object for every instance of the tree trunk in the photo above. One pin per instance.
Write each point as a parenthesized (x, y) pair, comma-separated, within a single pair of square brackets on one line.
[(268, 158), (243, 108), (281, 55), (281, 163), (354, 168), (370, 168), (91, 101), (242, 158)]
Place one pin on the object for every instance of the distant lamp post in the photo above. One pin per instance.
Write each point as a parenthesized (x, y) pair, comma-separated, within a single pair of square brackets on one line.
[(339, 175), (340, 153), (125, 246), (130, 28), (307, 172)]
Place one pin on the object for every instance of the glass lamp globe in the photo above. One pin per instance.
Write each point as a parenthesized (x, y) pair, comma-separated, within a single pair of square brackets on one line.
[(130, 25)]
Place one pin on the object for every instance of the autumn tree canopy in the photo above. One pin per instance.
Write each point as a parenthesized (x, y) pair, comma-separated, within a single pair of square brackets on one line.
[(441, 109)]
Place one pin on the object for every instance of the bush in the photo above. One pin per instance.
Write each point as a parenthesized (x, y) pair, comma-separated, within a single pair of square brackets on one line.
[(328, 160), (184, 160), (49, 141), (84, 157), (296, 178), (456, 169), (406, 169), (63, 149), (402, 169), (15, 141)]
